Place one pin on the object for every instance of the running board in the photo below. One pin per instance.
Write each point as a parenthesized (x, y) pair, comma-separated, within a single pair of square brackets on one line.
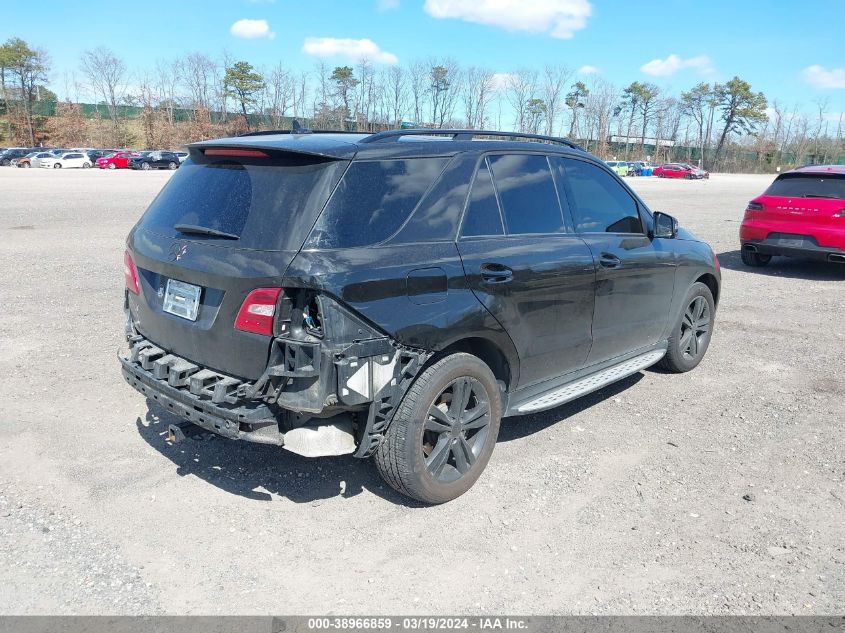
[(590, 383)]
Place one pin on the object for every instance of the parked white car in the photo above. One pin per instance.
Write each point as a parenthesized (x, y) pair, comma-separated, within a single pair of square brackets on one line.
[(36, 160), (70, 160)]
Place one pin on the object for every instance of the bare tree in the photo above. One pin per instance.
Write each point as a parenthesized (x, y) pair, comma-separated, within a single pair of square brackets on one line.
[(107, 76), (418, 77), (520, 89), (599, 111), (395, 93), (279, 94), (198, 75), (478, 90), (555, 78)]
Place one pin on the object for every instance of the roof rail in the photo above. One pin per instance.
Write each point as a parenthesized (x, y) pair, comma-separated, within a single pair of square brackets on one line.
[(463, 135)]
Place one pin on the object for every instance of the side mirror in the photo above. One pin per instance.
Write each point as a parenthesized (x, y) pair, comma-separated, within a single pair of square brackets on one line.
[(665, 225)]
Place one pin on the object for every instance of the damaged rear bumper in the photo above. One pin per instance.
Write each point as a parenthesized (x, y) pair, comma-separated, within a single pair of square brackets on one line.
[(198, 395), (356, 394)]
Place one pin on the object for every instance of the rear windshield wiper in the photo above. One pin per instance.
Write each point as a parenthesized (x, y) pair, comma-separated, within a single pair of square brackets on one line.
[(194, 229), (817, 195)]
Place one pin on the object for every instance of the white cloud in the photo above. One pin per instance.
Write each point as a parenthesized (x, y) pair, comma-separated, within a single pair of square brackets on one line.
[(502, 80), (558, 18), (354, 50), (673, 63), (821, 77), (252, 29), (587, 70), (387, 5)]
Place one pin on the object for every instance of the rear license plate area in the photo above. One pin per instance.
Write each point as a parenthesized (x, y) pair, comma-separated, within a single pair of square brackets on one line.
[(181, 299), (791, 242)]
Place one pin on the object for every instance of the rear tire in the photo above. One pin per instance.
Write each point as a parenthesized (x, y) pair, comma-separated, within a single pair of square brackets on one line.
[(755, 260), (171, 166), (145, 166), (436, 457), (691, 335), (57, 166), (86, 165)]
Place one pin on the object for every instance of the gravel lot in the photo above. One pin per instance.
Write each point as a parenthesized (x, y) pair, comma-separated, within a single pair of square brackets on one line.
[(718, 491)]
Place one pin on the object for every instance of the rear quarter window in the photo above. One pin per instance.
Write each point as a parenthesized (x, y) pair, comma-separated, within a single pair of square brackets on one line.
[(373, 201)]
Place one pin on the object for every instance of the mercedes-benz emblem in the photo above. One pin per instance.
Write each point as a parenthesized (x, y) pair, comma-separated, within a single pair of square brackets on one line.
[(177, 251)]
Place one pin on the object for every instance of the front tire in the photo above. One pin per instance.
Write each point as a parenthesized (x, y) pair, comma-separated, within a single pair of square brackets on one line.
[(691, 336), (754, 259), (171, 166), (57, 166), (444, 431), (145, 166), (112, 166)]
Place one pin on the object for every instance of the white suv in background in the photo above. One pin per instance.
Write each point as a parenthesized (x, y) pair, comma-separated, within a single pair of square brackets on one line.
[(69, 160)]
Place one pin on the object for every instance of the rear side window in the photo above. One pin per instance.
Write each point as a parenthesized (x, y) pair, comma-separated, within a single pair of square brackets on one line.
[(373, 201), (482, 216), (599, 203), (527, 194), (808, 186), (269, 203)]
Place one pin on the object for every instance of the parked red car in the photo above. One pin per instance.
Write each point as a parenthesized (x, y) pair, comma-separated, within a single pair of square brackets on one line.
[(680, 170), (802, 214), (118, 160)]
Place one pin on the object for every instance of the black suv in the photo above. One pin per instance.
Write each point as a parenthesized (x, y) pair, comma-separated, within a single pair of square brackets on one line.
[(395, 295), (154, 160)]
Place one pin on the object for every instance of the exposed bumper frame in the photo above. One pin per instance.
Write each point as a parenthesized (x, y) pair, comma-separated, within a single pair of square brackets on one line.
[(253, 423)]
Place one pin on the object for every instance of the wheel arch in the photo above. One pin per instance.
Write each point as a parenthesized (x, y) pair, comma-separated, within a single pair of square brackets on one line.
[(709, 280), (488, 352)]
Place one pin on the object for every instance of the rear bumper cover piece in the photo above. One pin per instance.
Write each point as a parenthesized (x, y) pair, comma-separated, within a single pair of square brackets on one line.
[(198, 395)]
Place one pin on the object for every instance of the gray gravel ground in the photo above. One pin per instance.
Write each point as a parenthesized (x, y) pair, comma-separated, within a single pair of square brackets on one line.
[(718, 491)]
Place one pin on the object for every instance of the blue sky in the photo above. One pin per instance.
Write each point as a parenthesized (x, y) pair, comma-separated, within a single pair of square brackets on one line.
[(782, 47)]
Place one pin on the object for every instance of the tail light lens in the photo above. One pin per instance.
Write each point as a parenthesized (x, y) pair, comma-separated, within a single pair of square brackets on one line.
[(754, 206), (841, 213), (256, 313), (130, 274)]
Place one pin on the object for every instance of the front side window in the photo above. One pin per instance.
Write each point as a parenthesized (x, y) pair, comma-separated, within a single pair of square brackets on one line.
[(527, 194), (599, 203)]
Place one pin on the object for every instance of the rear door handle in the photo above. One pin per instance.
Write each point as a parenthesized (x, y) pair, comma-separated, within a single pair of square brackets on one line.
[(493, 273), (609, 260)]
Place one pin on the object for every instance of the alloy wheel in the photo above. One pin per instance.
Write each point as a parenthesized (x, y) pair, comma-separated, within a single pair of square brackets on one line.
[(695, 327), (456, 429)]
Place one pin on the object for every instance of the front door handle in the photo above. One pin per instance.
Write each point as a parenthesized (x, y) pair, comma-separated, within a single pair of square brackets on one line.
[(609, 260), (493, 273)]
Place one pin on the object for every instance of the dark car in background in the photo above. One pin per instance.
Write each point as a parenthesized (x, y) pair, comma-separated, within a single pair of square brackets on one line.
[(801, 214), (13, 153), (365, 294), (154, 160)]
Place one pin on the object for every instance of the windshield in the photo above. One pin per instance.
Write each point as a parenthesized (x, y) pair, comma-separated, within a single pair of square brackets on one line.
[(267, 203), (807, 185)]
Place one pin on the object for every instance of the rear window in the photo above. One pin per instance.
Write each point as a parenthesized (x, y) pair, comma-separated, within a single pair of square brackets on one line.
[(269, 203), (808, 186), (373, 201)]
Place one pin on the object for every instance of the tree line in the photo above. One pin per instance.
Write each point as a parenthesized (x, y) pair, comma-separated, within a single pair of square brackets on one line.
[(724, 125)]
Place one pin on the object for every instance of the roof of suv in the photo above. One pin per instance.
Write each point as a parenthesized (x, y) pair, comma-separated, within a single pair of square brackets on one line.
[(392, 144)]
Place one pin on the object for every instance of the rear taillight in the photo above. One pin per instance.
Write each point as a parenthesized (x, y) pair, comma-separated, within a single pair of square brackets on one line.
[(754, 206), (130, 274), (840, 213), (256, 313)]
